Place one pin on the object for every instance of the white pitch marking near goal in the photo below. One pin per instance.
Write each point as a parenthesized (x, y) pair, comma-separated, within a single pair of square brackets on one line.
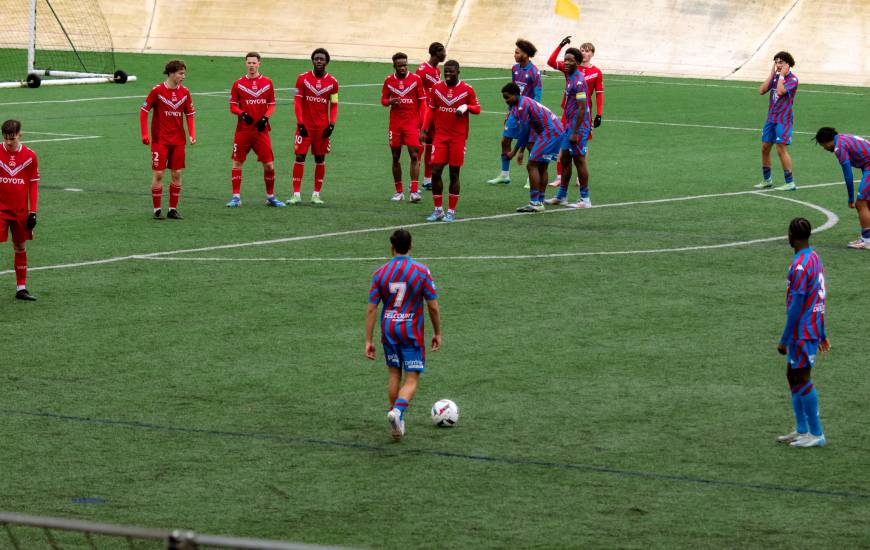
[(59, 139), (831, 220)]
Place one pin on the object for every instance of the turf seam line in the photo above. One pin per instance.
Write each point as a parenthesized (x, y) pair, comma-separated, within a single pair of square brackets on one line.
[(766, 487)]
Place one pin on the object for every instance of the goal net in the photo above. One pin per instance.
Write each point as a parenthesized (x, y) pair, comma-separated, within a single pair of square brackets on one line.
[(48, 42)]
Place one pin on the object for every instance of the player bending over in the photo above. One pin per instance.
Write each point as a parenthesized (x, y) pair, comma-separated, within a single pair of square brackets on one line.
[(852, 151), (316, 106), (19, 194), (405, 95), (782, 84), (171, 103), (252, 100), (544, 134), (450, 103), (528, 78), (804, 335), (575, 119), (402, 285), (431, 75)]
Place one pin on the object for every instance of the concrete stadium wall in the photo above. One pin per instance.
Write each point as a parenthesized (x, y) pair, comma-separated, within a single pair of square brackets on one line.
[(720, 39)]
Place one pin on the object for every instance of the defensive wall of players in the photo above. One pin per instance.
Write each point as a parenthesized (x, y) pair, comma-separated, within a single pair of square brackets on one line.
[(733, 39)]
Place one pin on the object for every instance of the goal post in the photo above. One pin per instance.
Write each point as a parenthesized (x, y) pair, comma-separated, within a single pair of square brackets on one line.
[(56, 42)]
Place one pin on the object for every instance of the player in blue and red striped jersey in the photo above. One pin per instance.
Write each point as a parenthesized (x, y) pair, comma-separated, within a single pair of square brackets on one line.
[(804, 335), (542, 131), (402, 285), (577, 122), (852, 151), (528, 78), (782, 85)]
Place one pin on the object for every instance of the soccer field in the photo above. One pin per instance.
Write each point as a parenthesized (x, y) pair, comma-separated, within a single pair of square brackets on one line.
[(615, 367)]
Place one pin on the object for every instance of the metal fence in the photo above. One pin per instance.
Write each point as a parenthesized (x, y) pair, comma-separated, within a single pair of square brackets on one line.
[(23, 532)]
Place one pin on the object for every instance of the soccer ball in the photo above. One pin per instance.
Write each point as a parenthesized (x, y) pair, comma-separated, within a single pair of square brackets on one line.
[(445, 413)]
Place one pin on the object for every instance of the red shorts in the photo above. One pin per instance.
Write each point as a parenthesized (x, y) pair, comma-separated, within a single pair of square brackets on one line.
[(167, 156), (260, 142), (448, 151), (320, 145), (11, 221), (404, 133)]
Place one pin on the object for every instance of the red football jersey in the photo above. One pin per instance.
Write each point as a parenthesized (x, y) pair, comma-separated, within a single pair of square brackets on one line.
[(594, 83), (170, 107), (410, 93), (255, 96), (315, 95), (19, 170), (444, 100), (430, 76)]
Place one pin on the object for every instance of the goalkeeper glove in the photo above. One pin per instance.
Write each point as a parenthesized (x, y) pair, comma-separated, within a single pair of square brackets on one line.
[(328, 131), (262, 123), (597, 121), (246, 117), (303, 132), (31, 221)]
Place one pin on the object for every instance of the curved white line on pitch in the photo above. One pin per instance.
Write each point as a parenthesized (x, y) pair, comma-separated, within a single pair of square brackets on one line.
[(831, 220), (158, 255)]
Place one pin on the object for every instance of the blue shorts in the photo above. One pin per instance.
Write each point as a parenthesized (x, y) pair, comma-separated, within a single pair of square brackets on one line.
[(802, 354), (776, 133), (512, 128), (864, 186), (580, 148), (545, 150), (407, 358)]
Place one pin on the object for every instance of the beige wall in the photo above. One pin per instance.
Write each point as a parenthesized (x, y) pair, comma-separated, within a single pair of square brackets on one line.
[(701, 38)]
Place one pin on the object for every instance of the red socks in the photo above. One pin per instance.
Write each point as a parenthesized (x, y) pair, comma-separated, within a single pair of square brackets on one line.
[(298, 172), (451, 201), (156, 194), (237, 181), (269, 179), (319, 172), (174, 192), (21, 269), (438, 200), (415, 186)]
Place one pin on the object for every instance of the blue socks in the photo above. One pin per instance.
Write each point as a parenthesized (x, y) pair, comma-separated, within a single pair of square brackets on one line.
[(584, 191), (798, 406), (505, 164), (765, 172), (865, 233), (401, 405), (809, 404), (788, 176)]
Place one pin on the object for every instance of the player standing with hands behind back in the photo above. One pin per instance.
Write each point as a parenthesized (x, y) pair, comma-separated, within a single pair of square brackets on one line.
[(172, 103), (782, 84), (402, 285)]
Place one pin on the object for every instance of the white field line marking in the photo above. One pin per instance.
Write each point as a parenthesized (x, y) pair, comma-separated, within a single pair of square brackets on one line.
[(60, 139), (221, 92), (698, 84), (53, 134), (150, 255), (685, 125), (831, 221)]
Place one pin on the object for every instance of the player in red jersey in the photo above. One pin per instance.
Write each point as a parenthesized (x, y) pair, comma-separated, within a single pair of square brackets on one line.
[(316, 106), (171, 103), (19, 193), (450, 104), (594, 86), (431, 75), (252, 100), (404, 94)]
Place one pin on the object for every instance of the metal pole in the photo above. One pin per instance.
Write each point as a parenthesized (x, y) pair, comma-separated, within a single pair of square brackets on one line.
[(31, 47)]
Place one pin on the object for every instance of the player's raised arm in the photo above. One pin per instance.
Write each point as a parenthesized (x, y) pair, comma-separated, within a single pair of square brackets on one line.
[(553, 61), (765, 86)]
